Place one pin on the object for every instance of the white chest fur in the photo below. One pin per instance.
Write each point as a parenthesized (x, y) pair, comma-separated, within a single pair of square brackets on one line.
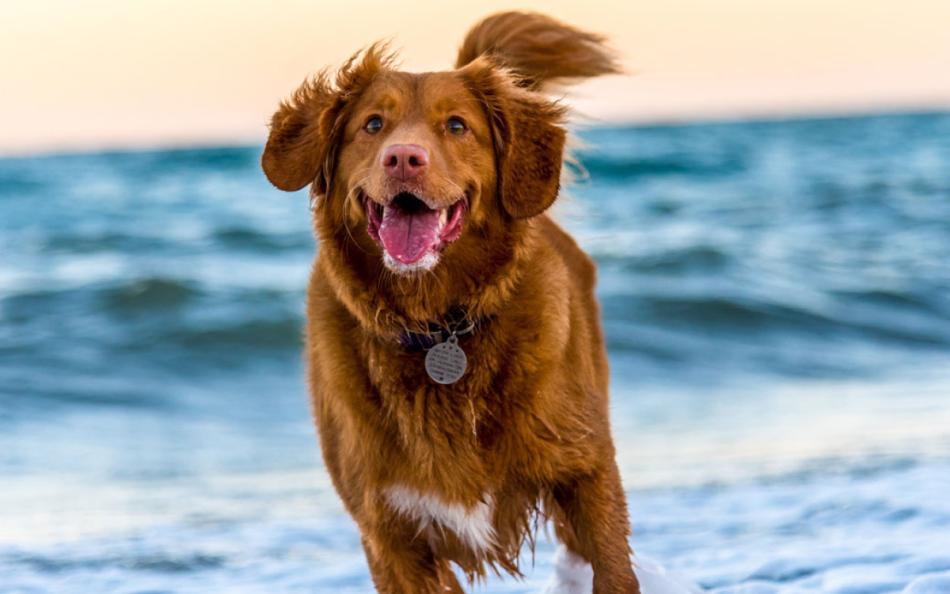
[(472, 525)]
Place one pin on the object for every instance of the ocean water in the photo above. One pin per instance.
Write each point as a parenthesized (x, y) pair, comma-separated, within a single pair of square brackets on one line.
[(776, 297)]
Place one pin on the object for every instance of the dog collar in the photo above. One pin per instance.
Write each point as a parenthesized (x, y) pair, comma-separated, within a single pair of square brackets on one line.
[(436, 333), (445, 361)]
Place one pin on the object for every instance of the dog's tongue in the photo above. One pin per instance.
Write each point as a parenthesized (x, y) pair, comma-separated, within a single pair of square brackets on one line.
[(407, 237)]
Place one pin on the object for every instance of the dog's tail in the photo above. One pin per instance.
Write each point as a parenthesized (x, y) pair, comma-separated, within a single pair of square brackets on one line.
[(538, 49)]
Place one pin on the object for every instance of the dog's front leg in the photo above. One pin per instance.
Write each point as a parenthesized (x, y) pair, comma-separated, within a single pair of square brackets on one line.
[(404, 564), (592, 523)]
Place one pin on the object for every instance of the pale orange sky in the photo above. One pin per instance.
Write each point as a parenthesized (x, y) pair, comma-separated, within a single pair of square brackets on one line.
[(98, 73)]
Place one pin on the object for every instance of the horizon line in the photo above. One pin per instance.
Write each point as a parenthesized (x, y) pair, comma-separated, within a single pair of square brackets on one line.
[(578, 121)]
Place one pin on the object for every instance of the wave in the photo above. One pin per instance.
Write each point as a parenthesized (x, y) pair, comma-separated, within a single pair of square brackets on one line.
[(679, 260), (283, 334), (148, 294), (107, 241), (152, 317), (619, 168), (248, 238), (161, 563), (740, 315)]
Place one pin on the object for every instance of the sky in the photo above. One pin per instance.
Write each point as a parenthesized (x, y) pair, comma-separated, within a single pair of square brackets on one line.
[(100, 73)]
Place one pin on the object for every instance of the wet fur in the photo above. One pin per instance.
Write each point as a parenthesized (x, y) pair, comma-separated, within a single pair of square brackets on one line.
[(526, 428)]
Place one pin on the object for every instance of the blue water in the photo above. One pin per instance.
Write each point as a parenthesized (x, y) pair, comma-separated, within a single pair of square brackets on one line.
[(776, 297)]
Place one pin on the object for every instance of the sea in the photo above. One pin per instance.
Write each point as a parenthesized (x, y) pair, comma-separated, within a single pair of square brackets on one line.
[(776, 301)]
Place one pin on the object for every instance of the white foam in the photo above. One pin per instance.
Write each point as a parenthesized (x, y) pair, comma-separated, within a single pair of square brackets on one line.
[(655, 579), (573, 575)]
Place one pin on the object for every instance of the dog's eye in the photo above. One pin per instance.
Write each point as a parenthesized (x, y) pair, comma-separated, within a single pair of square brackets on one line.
[(455, 125), (373, 125)]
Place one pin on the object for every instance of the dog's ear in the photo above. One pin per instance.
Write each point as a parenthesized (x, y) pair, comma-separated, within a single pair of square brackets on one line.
[(530, 162), (306, 130), (529, 137), (301, 132)]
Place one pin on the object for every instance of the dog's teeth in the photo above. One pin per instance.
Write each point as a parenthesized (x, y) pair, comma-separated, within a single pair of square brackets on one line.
[(443, 216)]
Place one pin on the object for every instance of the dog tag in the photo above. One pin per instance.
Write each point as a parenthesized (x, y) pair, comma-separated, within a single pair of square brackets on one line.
[(446, 361)]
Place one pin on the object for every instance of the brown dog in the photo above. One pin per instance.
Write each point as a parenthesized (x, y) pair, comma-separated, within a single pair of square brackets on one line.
[(430, 195)]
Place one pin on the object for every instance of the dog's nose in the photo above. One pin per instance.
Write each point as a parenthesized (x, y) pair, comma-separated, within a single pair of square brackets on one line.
[(405, 161)]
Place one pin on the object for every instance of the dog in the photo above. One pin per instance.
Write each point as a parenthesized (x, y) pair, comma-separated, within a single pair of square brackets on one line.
[(455, 357)]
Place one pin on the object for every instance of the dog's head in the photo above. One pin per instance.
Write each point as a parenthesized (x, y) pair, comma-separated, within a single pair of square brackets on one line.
[(430, 172), (417, 158)]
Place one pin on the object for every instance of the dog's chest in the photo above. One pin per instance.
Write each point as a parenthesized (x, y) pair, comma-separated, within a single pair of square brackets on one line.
[(472, 525)]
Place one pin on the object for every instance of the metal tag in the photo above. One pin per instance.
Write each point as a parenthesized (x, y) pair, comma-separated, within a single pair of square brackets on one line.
[(446, 361)]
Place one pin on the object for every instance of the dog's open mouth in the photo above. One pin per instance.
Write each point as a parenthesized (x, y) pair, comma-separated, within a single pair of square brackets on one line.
[(410, 231)]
